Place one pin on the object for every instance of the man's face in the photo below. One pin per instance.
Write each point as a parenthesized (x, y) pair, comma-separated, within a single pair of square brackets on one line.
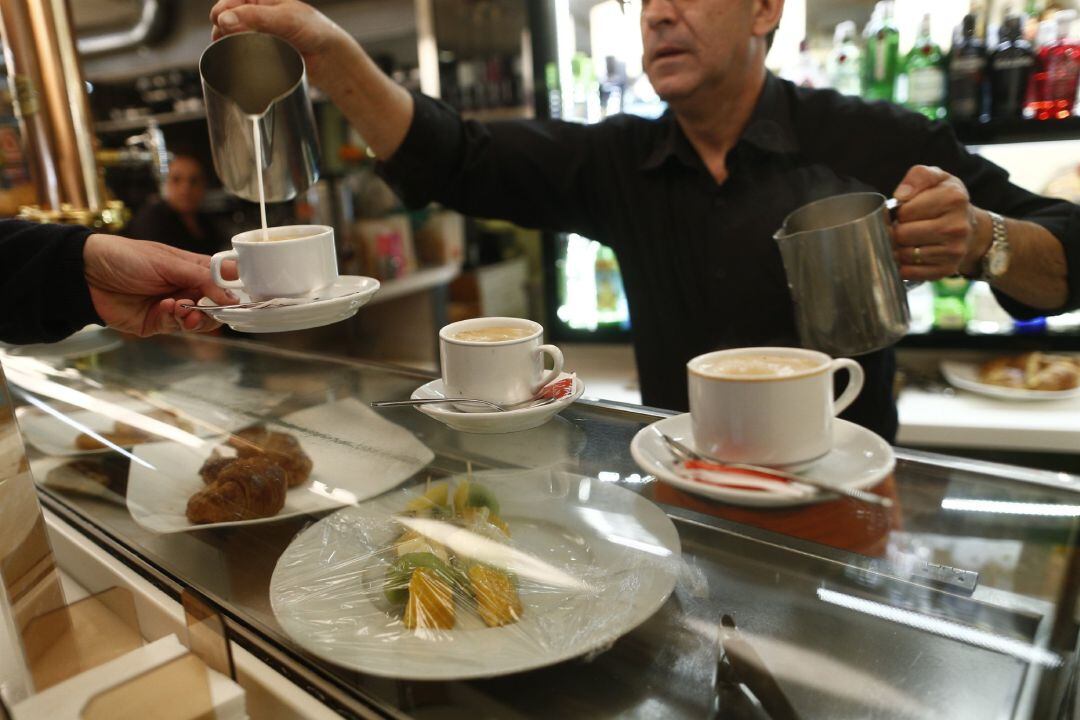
[(690, 44), (185, 186)]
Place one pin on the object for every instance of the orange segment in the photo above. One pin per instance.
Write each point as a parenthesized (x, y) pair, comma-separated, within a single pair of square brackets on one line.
[(431, 601), (496, 597)]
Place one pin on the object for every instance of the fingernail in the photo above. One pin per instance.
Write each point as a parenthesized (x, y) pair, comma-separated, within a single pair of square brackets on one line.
[(903, 192), (228, 19)]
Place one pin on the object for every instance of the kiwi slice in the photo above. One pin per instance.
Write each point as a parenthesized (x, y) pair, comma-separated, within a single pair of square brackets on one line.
[(480, 496)]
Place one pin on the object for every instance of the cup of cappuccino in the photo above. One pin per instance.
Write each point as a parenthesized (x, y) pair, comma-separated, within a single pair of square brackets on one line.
[(286, 261), (767, 405), (499, 359)]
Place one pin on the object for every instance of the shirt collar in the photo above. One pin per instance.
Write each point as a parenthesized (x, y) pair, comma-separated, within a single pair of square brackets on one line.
[(769, 129)]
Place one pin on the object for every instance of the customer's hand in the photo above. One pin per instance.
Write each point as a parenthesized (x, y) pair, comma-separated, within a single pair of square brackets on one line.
[(938, 231), (144, 288), (316, 37)]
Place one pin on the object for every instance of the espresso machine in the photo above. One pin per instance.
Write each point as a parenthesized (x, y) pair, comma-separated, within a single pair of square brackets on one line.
[(49, 97)]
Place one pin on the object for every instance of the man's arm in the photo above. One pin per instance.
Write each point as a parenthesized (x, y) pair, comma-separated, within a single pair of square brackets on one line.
[(1038, 269), (537, 174), (945, 228), (942, 232)]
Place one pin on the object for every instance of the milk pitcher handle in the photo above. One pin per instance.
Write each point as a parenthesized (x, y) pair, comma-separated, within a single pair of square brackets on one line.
[(892, 206)]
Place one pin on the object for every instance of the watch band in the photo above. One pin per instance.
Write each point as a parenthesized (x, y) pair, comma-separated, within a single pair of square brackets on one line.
[(999, 244)]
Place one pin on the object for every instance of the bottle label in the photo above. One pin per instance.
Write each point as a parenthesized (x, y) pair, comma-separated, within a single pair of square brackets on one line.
[(880, 58), (926, 86), (1013, 63), (966, 65)]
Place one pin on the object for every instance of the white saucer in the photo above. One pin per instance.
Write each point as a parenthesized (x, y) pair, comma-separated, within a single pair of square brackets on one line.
[(859, 460), (338, 302), (492, 422)]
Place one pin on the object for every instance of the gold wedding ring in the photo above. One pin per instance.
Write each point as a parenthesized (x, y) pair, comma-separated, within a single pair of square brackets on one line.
[(918, 255)]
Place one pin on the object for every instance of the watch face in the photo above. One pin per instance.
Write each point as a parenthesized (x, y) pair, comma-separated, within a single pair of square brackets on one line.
[(997, 262)]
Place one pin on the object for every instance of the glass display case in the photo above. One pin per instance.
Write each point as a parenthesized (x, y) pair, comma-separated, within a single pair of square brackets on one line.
[(634, 598)]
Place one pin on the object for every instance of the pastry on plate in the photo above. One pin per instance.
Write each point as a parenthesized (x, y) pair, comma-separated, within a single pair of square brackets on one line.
[(124, 435), (246, 489), (282, 448), (1032, 371)]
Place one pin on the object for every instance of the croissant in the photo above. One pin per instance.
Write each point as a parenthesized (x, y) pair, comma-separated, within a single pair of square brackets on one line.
[(213, 466), (282, 448), (1032, 371), (248, 488), (1055, 376)]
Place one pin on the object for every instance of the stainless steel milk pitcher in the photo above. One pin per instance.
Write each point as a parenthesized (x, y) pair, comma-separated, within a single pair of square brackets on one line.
[(252, 76), (838, 256)]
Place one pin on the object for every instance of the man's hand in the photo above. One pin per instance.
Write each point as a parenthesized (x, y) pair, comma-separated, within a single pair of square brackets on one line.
[(314, 35), (938, 231), (144, 288)]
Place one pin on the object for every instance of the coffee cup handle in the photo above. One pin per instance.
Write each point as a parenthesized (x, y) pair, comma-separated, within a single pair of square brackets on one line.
[(854, 386), (215, 269), (892, 206), (552, 374)]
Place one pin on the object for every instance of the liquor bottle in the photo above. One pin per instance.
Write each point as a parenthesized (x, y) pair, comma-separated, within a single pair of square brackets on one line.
[(882, 56), (1055, 84), (1011, 65), (951, 311), (1035, 103), (924, 75), (844, 67), (967, 75), (805, 70)]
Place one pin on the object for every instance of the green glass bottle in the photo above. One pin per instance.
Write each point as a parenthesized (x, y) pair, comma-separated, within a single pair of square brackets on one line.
[(882, 57), (951, 310), (923, 80)]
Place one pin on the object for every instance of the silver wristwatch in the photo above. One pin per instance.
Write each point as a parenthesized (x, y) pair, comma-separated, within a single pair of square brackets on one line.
[(995, 262)]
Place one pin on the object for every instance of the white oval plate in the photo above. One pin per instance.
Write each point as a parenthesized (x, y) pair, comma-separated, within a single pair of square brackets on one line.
[(91, 340), (859, 460), (355, 454), (326, 590), (965, 376), (492, 422), (338, 302)]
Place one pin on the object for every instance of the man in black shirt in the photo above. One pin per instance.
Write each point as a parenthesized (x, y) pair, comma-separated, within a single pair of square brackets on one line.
[(56, 279), (690, 201)]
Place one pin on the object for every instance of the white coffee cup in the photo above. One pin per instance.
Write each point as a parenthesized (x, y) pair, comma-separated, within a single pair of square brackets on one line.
[(767, 405), (501, 371), (296, 260)]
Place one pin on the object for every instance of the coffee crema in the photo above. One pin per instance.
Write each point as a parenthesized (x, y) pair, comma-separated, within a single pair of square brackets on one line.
[(278, 238), (758, 366), (493, 334)]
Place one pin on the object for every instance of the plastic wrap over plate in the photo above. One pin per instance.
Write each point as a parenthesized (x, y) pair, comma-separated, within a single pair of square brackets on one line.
[(476, 576)]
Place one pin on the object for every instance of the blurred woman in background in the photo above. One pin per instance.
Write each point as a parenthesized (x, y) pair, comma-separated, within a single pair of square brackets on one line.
[(176, 219)]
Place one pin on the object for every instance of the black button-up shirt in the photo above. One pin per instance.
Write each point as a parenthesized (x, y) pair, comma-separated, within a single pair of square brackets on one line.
[(699, 264)]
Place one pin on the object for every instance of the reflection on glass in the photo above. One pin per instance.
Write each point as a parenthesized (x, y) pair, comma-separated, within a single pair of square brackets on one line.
[(1004, 507), (467, 543), (945, 628)]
